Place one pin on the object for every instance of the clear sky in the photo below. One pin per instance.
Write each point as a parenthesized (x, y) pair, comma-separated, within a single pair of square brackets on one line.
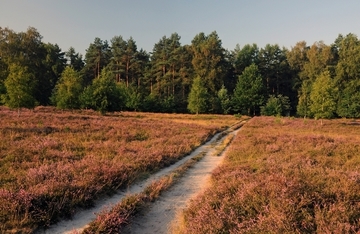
[(76, 23)]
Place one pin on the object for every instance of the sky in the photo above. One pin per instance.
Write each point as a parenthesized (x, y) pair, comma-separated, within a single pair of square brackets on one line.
[(76, 23)]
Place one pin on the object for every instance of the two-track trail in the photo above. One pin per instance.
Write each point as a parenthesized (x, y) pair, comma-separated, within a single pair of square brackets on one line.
[(158, 216)]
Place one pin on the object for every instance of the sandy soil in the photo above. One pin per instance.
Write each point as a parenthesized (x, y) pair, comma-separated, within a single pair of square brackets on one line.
[(157, 217)]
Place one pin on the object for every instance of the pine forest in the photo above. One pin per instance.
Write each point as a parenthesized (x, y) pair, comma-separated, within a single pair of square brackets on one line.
[(307, 80)]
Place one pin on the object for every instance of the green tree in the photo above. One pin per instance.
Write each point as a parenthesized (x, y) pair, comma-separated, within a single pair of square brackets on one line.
[(68, 90), (303, 107), (197, 100), (170, 73), (3, 74), (185, 74), (224, 100), (276, 106), (322, 97), (97, 57), (348, 75), (297, 57), (118, 47), (275, 70), (349, 101), (133, 98), (209, 61), (74, 59), (20, 88), (245, 56), (53, 64), (349, 58), (319, 57), (103, 94), (249, 93), (44, 61)]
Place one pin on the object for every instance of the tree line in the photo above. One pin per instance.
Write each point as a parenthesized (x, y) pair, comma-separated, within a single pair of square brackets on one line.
[(318, 80)]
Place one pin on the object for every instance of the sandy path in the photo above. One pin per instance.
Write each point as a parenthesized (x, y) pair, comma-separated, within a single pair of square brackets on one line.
[(164, 209), (159, 216)]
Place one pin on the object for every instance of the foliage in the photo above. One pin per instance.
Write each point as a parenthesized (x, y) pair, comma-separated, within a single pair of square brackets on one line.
[(44, 62), (103, 94), (208, 60), (67, 91), (245, 56), (132, 97), (20, 88), (160, 80), (275, 70), (224, 100), (96, 58), (276, 106), (249, 91), (322, 97), (75, 59), (349, 102), (303, 107), (198, 97)]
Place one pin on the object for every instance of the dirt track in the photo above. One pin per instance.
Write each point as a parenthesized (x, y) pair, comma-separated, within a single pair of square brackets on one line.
[(157, 217)]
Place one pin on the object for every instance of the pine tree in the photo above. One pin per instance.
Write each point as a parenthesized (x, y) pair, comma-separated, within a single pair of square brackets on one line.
[(74, 59)]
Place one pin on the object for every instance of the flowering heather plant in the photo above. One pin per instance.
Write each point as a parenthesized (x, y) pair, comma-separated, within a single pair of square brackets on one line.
[(52, 162), (113, 220), (284, 176)]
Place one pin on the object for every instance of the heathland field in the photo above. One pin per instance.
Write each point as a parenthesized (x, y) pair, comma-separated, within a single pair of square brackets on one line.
[(284, 175), (52, 162)]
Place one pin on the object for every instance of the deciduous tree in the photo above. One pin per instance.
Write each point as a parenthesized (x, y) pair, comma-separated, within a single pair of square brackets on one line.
[(322, 96), (103, 94), (249, 93), (197, 100), (277, 106), (68, 89), (20, 88)]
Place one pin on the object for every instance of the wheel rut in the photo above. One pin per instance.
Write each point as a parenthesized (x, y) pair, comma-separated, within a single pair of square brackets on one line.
[(157, 217)]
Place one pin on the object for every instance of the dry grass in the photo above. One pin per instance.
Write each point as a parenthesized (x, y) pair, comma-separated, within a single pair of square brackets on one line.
[(52, 162), (284, 176)]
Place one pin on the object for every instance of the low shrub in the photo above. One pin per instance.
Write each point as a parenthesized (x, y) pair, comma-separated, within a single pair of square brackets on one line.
[(286, 177)]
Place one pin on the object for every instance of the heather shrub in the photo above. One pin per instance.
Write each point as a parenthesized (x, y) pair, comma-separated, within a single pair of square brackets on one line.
[(283, 177), (52, 162)]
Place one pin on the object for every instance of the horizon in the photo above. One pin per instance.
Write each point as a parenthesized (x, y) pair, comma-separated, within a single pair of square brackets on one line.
[(70, 24)]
